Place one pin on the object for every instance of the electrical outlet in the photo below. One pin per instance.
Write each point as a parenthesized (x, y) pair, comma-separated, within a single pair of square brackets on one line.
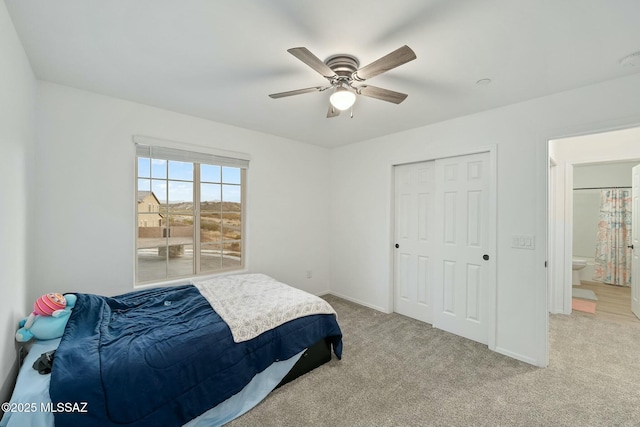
[(309, 274)]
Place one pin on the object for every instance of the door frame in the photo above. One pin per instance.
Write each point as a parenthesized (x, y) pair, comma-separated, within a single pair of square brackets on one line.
[(492, 285), (635, 243), (560, 236)]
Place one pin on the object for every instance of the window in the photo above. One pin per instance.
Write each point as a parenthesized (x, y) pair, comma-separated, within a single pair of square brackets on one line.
[(190, 213)]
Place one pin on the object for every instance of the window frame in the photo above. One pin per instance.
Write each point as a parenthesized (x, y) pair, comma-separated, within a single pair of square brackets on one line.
[(228, 160)]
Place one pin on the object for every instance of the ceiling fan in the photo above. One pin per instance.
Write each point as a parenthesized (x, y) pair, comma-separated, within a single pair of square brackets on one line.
[(345, 77)]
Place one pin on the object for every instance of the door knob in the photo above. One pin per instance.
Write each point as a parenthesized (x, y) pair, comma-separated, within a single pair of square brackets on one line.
[(630, 246), (485, 257), (397, 246)]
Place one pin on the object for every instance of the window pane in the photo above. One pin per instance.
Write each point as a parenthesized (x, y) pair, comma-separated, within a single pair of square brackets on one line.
[(232, 219), (230, 232), (180, 260), (231, 193), (209, 173), (181, 225), (210, 227), (230, 175), (151, 241), (145, 198), (159, 190), (144, 167), (231, 255), (179, 248), (210, 257), (158, 168), (151, 265), (151, 230), (144, 185), (180, 193), (180, 170), (209, 193)]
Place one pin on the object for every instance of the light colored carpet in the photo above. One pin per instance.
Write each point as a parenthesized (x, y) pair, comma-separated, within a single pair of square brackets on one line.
[(584, 294), (396, 371)]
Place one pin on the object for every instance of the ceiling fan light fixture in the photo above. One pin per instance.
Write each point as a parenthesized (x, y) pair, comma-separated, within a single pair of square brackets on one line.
[(342, 98), (342, 71)]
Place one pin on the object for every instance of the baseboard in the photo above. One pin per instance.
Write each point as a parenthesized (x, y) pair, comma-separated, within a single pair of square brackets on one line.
[(558, 312), (354, 300), (519, 357), (503, 351)]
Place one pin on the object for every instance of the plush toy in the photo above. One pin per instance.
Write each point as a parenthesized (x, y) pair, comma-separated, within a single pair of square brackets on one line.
[(49, 318)]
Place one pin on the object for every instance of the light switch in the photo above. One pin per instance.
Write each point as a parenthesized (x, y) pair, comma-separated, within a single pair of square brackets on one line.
[(523, 241)]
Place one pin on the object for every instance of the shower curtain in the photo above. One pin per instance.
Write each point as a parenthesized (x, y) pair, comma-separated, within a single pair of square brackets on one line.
[(613, 258)]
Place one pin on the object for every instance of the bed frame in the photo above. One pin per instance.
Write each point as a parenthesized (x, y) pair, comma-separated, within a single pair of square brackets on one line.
[(316, 355)]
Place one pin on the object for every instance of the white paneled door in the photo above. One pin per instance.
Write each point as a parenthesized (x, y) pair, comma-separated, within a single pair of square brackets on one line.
[(415, 245), (463, 267), (635, 239), (443, 265)]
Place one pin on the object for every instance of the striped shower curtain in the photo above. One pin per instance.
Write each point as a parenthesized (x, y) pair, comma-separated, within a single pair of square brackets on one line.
[(613, 257)]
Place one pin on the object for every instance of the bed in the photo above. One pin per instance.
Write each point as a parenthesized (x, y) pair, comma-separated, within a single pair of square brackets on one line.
[(199, 354)]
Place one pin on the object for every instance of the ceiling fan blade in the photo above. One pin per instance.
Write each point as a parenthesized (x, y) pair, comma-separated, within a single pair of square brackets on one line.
[(392, 60), (304, 55), (383, 94), (333, 112), (296, 92)]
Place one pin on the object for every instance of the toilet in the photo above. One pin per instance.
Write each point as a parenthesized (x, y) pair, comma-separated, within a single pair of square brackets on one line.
[(577, 265)]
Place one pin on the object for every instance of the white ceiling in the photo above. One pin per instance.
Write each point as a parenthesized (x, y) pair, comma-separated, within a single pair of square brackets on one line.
[(220, 59)]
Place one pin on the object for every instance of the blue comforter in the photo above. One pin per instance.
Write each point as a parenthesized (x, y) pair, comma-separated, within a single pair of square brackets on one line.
[(161, 357)]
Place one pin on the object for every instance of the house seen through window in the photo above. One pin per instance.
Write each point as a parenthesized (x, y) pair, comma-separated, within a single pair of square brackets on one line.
[(189, 215)]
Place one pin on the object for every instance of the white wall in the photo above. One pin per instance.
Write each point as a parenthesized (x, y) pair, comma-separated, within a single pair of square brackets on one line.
[(610, 174), (362, 187), (618, 145), (17, 109), (586, 213), (83, 230)]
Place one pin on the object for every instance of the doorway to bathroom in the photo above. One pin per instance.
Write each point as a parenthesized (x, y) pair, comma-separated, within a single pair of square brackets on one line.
[(583, 171), (602, 244)]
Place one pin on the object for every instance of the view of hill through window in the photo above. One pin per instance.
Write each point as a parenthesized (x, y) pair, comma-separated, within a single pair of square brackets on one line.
[(189, 218)]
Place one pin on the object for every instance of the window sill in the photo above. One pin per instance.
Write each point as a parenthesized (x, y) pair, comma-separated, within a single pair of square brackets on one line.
[(187, 280)]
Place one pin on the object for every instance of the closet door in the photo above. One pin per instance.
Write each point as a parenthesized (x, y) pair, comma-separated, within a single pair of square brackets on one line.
[(414, 240), (463, 265)]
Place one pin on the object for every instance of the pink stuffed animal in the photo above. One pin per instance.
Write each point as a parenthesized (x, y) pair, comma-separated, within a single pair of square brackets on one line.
[(47, 305)]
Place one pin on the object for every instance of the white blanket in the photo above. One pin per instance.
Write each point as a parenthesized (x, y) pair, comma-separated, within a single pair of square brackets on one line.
[(254, 303)]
